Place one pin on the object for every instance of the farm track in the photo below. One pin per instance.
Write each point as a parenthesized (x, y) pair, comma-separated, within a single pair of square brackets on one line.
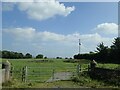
[(61, 76)]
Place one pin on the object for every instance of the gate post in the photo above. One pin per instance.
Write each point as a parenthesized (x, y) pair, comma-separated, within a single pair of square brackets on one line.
[(7, 71), (78, 69), (11, 71), (23, 74)]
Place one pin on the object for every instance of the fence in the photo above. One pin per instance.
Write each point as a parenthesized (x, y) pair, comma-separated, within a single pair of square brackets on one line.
[(47, 74), (16, 73), (36, 73), (41, 74)]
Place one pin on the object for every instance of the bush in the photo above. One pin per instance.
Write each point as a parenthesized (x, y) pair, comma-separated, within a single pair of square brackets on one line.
[(58, 57), (45, 57), (39, 56)]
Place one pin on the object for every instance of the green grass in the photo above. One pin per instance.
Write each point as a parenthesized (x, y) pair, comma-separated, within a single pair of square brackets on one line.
[(18, 63), (109, 66), (44, 70), (47, 68), (56, 84)]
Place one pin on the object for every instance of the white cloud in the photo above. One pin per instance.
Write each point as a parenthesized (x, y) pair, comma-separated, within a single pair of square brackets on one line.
[(21, 33), (45, 10), (53, 44), (107, 28), (40, 10)]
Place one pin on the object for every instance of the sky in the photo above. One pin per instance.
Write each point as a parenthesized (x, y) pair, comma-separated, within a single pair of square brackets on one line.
[(54, 28)]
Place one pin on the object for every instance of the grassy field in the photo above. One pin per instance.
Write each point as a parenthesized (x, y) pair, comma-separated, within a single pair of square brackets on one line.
[(44, 69), (30, 62), (109, 66), (83, 81)]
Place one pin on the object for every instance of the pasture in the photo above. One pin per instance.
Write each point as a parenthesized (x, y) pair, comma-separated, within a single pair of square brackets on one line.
[(39, 67), (48, 66)]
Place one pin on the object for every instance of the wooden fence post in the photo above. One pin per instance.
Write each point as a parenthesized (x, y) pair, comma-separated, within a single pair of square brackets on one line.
[(23, 74), (78, 69), (11, 71), (26, 73)]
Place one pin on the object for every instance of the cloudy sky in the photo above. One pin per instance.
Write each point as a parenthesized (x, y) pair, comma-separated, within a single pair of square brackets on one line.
[(54, 28)]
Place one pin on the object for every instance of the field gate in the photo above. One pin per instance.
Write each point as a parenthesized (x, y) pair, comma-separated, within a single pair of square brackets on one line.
[(47, 74)]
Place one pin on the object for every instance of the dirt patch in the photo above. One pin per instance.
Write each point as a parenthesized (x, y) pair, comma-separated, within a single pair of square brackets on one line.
[(61, 76)]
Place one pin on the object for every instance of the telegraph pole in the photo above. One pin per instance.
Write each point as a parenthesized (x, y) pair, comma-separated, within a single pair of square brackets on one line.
[(79, 45)]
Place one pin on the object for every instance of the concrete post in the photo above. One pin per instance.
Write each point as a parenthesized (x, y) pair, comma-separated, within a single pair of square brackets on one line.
[(7, 71)]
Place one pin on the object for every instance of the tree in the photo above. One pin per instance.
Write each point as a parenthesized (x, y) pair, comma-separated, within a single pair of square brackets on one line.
[(58, 57), (102, 52), (20, 55), (116, 44), (5, 54), (101, 47), (11, 55), (39, 56), (66, 57), (45, 57), (77, 56), (115, 51), (28, 55)]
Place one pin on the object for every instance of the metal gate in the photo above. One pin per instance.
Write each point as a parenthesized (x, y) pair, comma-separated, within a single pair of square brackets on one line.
[(37, 74), (47, 74), (44, 74), (16, 73)]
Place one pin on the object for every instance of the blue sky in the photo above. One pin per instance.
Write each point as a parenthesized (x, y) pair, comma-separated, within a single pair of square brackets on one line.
[(53, 29)]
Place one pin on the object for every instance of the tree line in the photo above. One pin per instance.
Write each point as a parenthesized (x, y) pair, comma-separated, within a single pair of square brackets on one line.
[(104, 54), (17, 55)]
